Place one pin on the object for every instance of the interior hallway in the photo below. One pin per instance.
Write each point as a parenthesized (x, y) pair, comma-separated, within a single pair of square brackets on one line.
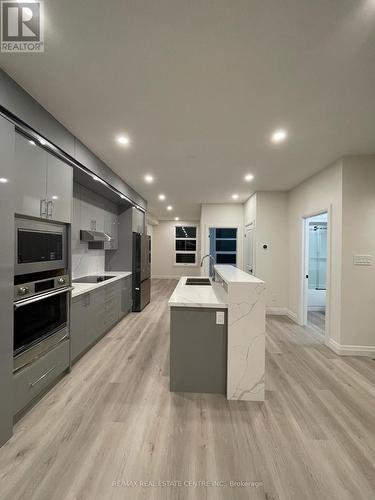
[(313, 437)]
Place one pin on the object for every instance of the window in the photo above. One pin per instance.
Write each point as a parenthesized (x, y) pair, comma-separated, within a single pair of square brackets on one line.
[(223, 245), (185, 246)]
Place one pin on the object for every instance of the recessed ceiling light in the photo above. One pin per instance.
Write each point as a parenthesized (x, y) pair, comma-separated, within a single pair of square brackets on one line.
[(161, 197), (54, 197), (123, 140), (149, 178), (169, 208), (235, 196), (177, 218), (3, 180), (279, 136), (32, 143), (249, 177)]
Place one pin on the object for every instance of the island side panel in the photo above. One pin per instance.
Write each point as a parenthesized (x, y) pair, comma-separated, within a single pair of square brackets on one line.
[(246, 341), (198, 350)]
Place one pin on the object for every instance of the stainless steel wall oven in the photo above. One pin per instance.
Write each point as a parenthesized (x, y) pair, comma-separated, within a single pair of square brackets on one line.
[(40, 323), (41, 289)]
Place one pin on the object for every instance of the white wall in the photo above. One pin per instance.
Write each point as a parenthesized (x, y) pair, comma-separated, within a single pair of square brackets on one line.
[(163, 251), (358, 283), (86, 206), (221, 215), (321, 192), (271, 264)]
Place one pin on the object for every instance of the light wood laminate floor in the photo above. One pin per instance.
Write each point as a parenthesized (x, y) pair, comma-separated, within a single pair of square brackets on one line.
[(317, 319), (114, 419)]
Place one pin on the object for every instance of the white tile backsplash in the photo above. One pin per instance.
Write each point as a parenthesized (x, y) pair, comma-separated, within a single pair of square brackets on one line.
[(85, 261)]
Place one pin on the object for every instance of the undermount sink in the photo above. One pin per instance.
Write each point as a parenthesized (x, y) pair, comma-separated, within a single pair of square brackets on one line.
[(198, 281)]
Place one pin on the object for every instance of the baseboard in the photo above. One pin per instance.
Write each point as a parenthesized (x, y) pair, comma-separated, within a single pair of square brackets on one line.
[(291, 315), (281, 311), (351, 350), (277, 311)]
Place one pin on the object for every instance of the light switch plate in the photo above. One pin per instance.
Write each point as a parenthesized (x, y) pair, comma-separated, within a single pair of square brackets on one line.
[(220, 317), (362, 260)]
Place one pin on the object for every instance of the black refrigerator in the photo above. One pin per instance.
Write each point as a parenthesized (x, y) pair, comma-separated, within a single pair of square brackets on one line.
[(141, 271)]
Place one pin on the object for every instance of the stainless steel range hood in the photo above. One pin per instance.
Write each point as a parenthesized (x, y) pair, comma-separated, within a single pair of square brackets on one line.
[(95, 239), (87, 235)]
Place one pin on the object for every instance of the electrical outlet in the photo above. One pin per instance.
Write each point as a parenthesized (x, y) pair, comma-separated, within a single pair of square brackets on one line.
[(220, 317), (362, 260)]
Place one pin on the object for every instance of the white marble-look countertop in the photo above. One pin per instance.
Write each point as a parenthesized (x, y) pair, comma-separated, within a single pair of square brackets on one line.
[(198, 295), (231, 274), (81, 288)]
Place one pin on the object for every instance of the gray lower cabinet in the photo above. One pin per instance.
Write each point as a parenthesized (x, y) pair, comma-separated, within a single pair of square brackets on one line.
[(87, 322), (93, 314), (198, 350), (32, 380), (126, 296)]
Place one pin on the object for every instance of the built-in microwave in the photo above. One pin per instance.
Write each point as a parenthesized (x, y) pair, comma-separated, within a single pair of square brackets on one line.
[(39, 246)]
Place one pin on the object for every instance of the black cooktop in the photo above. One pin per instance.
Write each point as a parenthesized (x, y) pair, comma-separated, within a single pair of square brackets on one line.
[(93, 279)]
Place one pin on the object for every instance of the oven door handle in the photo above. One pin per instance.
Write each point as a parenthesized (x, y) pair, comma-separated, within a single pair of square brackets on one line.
[(43, 296)]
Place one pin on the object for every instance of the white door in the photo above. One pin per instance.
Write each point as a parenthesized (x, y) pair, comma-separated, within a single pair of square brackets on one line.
[(249, 249)]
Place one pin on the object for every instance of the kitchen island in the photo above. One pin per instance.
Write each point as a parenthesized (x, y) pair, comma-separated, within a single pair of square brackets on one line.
[(234, 307)]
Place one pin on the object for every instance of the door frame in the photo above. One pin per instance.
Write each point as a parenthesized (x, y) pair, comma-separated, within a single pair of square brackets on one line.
[(303, 292), (252, 223)]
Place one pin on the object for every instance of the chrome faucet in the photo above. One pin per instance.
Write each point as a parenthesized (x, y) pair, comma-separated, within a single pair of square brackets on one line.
[(214, 262)]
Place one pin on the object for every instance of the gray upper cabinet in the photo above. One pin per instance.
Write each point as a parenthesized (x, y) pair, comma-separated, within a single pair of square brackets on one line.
[(91, 208), (59, 189), (31, 178), (44, 184), (138, 221), (111, 222)]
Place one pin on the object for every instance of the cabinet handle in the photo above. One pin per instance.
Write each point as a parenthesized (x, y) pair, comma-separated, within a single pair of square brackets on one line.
[(43, 208), (43, 376), (49, 208)]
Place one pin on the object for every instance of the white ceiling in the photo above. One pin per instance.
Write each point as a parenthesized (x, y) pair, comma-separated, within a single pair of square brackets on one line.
[(200, 85)]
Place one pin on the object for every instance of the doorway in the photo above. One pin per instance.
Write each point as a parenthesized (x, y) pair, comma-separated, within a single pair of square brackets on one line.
[(249, 249), (315, 289)]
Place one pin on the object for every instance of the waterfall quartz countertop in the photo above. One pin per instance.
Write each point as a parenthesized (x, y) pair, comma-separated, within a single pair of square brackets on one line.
[(243, 295), (81, 288), (209, 296)]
